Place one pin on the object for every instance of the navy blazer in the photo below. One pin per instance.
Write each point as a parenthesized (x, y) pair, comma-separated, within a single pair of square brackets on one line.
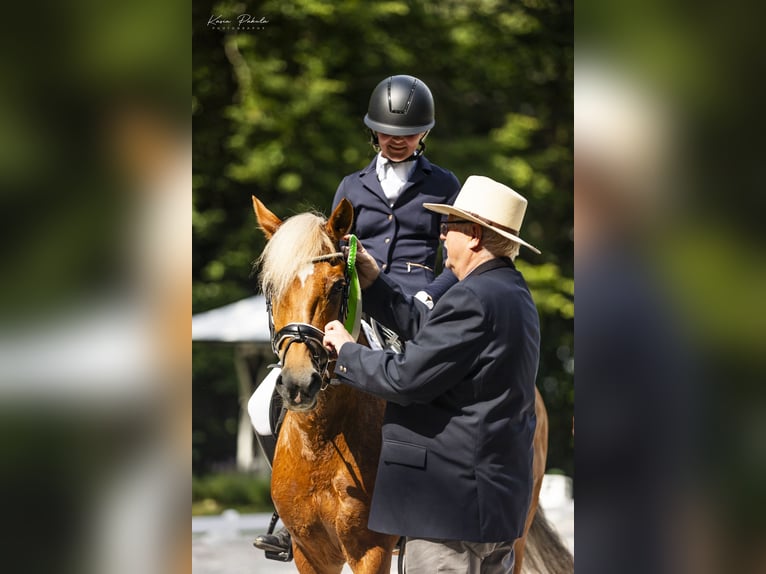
[(456, 459), (403, 236)]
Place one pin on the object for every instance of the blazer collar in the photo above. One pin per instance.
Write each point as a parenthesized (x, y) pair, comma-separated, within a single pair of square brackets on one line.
[(369, 177), (423, 164), (495, 263)]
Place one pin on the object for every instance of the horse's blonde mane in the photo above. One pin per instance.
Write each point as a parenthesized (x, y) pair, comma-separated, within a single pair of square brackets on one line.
[(299, 239)]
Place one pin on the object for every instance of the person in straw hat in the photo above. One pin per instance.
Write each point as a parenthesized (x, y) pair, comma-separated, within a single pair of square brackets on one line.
[(455, 472)]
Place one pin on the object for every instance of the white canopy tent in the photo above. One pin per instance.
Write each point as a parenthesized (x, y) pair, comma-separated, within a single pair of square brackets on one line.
[(245, 325), (244, 321)]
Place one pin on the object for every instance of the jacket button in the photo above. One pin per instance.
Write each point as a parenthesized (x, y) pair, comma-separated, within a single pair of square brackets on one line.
[(390, 216), (383, 267), (387, 240)]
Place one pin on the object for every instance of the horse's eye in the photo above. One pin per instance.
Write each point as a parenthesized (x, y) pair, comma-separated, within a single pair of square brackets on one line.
[(338, 287)]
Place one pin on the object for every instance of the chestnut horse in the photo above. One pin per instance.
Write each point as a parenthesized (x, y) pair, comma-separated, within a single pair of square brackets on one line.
[(328, 447)]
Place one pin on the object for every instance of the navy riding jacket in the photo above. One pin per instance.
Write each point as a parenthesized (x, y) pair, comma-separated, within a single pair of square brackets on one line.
[(456, 459), (403, 236)]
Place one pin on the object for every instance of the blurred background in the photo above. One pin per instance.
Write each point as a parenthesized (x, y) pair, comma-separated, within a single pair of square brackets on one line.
[(277, 112), (95, 259), (95, 191), (669, 262)]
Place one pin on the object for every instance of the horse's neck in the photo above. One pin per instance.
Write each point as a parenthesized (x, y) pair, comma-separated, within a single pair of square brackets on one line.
[(339, 409)]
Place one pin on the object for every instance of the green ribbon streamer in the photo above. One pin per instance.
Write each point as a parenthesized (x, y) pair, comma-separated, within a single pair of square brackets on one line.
[(354, 316)]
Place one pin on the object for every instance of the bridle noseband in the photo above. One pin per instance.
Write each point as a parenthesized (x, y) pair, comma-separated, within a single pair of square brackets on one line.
[(307, 334)]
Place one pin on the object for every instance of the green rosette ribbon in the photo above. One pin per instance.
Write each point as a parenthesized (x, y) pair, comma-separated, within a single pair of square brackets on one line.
[(354, 315)]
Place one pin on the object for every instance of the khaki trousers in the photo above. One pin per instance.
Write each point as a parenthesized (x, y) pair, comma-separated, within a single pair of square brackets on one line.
[(429, 556)]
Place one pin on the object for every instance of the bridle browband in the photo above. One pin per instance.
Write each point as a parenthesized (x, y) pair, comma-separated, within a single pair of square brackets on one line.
[(307, 334)]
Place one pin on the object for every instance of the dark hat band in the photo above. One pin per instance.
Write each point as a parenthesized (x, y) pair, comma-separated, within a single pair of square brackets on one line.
[(493, 224)]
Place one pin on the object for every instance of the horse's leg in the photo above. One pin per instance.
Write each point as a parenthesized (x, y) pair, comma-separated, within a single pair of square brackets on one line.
[(376, 560), (540, 456), (366, 552), (307, 566)]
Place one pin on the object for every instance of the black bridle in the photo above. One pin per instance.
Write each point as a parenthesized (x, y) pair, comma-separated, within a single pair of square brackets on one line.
[(308, 334)]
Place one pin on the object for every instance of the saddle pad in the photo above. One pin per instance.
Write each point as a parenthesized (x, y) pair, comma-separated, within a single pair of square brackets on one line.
[(259, 405)]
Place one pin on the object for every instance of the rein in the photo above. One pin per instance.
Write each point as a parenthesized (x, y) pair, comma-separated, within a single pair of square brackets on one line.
[(310, 335)]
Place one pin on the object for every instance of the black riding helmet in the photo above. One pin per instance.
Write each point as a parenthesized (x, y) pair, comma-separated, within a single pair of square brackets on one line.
[(400, 106)]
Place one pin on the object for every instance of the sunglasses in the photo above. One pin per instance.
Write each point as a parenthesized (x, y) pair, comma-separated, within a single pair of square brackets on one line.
[(444, 227)]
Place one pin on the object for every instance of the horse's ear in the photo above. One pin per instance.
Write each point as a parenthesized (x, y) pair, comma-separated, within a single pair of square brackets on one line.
[(267, 221), (341, 220)]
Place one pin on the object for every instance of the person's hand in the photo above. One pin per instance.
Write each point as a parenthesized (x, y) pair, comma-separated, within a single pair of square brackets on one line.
[(335, 336), (366, 267)]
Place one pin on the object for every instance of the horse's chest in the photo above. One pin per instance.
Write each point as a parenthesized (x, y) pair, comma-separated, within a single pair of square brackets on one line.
[(316, 488)]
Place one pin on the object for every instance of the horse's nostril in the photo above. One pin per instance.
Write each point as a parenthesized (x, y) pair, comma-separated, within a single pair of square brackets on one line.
[(316, 382)]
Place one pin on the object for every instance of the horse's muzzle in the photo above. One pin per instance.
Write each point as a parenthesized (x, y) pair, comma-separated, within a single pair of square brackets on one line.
[(299, 392)]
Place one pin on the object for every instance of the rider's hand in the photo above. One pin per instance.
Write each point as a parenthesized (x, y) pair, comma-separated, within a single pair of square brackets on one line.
[(366, 266)]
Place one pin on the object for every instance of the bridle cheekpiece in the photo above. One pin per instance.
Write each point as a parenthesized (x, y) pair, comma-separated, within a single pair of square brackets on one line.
[(308, 334)]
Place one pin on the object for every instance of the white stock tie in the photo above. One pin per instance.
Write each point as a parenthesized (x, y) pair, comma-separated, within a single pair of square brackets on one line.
[(393, 176)]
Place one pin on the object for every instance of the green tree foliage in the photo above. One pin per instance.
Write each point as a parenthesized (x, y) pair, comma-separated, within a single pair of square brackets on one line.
[(277, 112)]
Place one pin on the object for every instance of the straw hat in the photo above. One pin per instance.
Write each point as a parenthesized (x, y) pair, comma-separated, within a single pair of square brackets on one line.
[(490, 204)]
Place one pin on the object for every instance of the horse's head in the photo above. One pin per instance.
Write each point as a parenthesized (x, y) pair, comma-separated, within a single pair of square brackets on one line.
[(303, 276)]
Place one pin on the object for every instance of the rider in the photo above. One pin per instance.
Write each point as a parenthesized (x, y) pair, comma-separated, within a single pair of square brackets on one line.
[(389, 217)]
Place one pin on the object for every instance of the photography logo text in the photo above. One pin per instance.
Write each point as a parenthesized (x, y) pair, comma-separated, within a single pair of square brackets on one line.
[(242, 23)]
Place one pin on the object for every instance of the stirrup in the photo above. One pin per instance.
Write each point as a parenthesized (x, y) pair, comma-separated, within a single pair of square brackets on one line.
[(284, 556), (280, 556)]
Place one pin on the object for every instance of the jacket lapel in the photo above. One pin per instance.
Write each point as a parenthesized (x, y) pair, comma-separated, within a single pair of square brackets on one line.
[(370, 181), (421, 171)]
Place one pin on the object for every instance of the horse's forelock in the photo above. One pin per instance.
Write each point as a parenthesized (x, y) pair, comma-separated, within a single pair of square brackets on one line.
[(299, 239)]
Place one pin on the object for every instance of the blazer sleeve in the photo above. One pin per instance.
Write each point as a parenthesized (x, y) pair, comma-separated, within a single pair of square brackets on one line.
[(439, 286), (385, 301), (440, 356)]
